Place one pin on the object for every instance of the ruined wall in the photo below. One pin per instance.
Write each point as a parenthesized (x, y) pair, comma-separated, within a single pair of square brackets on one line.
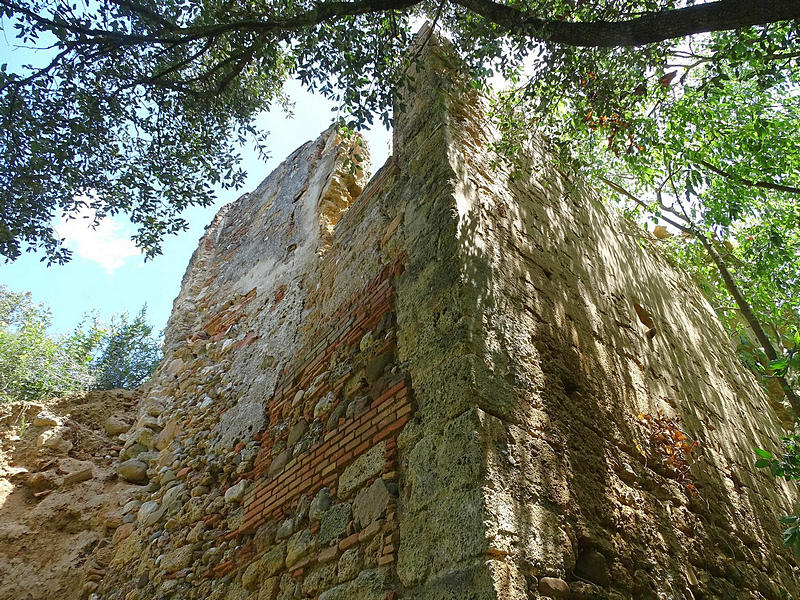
[(593, 356), (448, 385)]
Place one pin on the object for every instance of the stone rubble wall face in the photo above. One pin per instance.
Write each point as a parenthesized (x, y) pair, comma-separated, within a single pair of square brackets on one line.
[(439, 388), (588, 345)]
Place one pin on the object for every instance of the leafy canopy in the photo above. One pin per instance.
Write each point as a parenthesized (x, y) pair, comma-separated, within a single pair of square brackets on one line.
[(137, 106), (786, 465)]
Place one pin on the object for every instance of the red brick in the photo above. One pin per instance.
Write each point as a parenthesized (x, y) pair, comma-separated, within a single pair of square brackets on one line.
[(362, 428), (370, 531), (362, 448), (348, 542), (388, 393), (386, 559), (390, 429), (386, 420), (303, 563), (223, 568)]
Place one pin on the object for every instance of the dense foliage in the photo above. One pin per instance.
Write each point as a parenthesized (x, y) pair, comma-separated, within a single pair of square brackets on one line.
[(137, 106), (35, 364)]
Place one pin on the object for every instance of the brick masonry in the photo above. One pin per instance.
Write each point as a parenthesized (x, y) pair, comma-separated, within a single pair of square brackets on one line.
[(322, 464), (364, 326)]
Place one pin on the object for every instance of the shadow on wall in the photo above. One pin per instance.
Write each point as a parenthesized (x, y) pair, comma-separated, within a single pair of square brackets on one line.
[(584, 327)]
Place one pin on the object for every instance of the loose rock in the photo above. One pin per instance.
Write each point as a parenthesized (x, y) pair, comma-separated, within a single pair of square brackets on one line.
[(133, 470)]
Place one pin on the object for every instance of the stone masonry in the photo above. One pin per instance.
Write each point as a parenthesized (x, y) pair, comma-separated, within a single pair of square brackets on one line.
[(461, 380)]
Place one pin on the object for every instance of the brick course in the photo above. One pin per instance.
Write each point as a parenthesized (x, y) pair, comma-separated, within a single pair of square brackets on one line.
[(272, 497)]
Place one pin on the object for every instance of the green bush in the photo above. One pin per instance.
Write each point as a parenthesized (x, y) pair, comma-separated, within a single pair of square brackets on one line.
[(128, 355), (35, 364), (786, 464)]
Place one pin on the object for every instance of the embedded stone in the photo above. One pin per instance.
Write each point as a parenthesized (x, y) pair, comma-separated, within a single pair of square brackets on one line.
[(133, 450), (177, 559), (334, 523), (362, 469), (298, 546), (114, 425), (324, 405), (45, 419), (356, 406), (297, 432), (369, 585), (166, 435), (168, 476), (133, 470), (55, 439), (84, 474), (377, 365), (269, 589), (143, 436), (196, 533), (149, 513), (235, 493), (593, 567), (154, 407), (366, 342), (371, 503), (320, 503), (319, 578), (553, 587), (250, 577), (279, 461), (285, 529), (172, 497), (349, 565), (336, 414), (273, 561)]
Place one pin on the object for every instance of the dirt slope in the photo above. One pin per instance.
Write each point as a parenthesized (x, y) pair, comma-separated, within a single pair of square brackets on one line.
[(60, 497)]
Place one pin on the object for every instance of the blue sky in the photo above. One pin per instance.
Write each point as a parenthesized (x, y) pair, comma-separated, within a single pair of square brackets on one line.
[(107, 274)]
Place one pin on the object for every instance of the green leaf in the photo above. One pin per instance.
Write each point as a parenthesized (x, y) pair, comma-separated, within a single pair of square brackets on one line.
[(763, 453)]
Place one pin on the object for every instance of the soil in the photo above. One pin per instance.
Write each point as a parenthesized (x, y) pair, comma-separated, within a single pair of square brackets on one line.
[(60, 503)]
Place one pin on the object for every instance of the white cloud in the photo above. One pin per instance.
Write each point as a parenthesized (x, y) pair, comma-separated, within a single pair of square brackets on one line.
[(107, 244)]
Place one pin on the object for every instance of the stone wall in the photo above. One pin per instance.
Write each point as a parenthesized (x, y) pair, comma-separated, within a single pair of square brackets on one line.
[(464, 381)]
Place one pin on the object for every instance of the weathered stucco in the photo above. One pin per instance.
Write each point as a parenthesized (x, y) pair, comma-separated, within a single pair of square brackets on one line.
[(456, 384)]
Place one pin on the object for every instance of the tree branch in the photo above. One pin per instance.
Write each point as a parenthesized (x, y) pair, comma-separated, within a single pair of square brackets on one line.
[(621, 190), (647, 29), (747, 312), (322, 12), (748, 183)]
